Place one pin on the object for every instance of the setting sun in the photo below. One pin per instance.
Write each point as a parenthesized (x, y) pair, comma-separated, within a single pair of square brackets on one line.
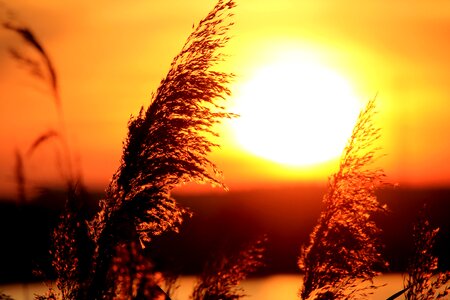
[(295, 111)]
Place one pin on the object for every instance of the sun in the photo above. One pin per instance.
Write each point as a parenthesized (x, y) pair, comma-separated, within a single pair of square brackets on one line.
[(295, 111)]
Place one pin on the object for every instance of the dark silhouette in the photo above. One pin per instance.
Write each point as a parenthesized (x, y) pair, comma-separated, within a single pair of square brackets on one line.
[(166, 146), (343, 251), (221, 277), (35, 66), (423, 280)]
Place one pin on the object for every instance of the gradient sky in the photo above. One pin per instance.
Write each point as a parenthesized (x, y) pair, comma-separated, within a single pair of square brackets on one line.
[(110, 56)]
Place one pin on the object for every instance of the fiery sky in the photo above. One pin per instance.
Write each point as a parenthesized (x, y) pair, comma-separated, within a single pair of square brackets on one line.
[(110, 56)]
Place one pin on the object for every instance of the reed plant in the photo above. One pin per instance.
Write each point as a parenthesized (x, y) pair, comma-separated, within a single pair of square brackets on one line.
[(221, 276), (423, 280), (343, 254), (167, 146), (41, 67)]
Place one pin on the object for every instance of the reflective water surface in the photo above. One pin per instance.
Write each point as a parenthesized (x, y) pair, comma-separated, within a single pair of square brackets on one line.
[(280, 287)]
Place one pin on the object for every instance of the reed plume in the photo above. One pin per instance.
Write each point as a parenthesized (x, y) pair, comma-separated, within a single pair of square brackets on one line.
[(42, 68), (167, 146), (423, 280), (71, 246), (343, 250), (221, 277)]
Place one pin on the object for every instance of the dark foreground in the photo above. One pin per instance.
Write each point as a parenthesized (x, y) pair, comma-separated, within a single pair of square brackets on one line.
[(221, 223)]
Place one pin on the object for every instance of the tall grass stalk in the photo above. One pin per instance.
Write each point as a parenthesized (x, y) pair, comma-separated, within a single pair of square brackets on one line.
[(343, 252), (42, 68), (423, 280), (166, 146), (72, 228), (221, 277)]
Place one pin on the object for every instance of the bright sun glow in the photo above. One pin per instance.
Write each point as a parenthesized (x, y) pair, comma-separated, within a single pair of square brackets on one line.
[(295, 111)]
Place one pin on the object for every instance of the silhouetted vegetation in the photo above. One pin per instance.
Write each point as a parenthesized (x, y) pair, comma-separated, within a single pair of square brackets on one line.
[(343, 251), (70, 239), (423, 280), (167, 145), (42, 68), (103, 257), (221, 277)]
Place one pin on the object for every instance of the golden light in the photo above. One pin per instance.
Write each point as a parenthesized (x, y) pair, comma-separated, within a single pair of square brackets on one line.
[(295, 111)]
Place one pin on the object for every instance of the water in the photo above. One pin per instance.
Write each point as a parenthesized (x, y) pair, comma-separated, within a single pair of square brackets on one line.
[(279, 287)]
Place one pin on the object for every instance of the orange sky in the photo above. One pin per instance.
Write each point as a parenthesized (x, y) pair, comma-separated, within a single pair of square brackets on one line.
[(110, 56)]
